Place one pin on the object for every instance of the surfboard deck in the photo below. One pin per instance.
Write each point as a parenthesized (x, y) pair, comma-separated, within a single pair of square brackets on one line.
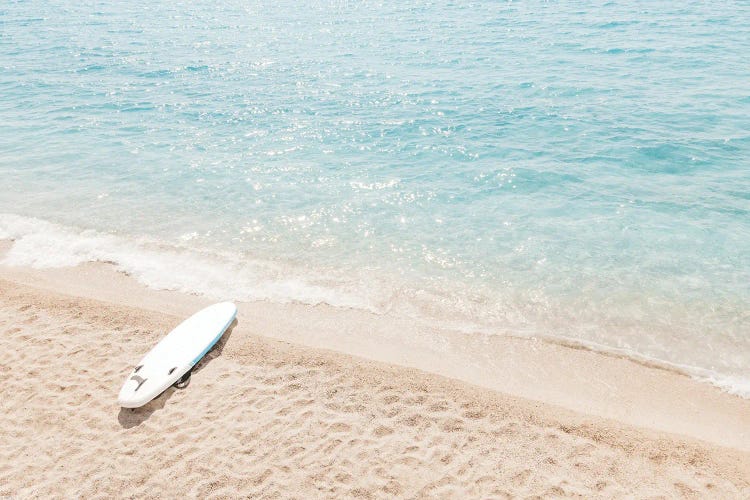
[(176, 354)]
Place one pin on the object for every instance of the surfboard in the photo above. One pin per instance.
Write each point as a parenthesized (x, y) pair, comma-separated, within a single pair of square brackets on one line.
[(176, 354)]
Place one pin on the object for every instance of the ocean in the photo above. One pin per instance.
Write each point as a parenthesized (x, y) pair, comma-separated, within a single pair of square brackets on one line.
[(575, 171)]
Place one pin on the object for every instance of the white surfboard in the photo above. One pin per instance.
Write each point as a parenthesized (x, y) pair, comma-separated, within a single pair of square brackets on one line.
[(176, 354)]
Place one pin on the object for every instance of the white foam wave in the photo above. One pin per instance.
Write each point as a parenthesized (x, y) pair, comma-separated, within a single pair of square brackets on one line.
[(732, 384), (739, 386), (233, 276), (42, 244)]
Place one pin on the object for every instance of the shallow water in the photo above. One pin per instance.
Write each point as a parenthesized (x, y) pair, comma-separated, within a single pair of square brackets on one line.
[(576, 171)]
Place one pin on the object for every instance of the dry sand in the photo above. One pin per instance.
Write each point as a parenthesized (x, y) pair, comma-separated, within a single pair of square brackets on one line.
[(267, 418)]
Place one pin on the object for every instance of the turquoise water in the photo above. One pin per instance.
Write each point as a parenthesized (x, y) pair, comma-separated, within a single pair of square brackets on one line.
[(575, 170)]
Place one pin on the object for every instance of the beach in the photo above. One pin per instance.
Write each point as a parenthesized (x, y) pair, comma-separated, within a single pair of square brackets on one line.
[(268, 415), (478, 250)]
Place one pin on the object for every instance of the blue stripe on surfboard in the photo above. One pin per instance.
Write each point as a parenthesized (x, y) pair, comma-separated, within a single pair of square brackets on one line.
[(213, 342)]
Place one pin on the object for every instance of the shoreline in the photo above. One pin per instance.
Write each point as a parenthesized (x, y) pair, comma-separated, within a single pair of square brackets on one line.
[(603, 384), (43, 244)]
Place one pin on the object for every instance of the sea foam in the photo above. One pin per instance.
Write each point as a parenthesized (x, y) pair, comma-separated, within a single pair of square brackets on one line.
[(42, 244)]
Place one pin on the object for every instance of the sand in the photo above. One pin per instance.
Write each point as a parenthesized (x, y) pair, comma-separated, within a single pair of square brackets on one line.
[(270, 418)]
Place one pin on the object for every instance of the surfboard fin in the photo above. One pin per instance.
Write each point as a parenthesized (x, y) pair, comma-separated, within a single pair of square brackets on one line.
[(184, 380)]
